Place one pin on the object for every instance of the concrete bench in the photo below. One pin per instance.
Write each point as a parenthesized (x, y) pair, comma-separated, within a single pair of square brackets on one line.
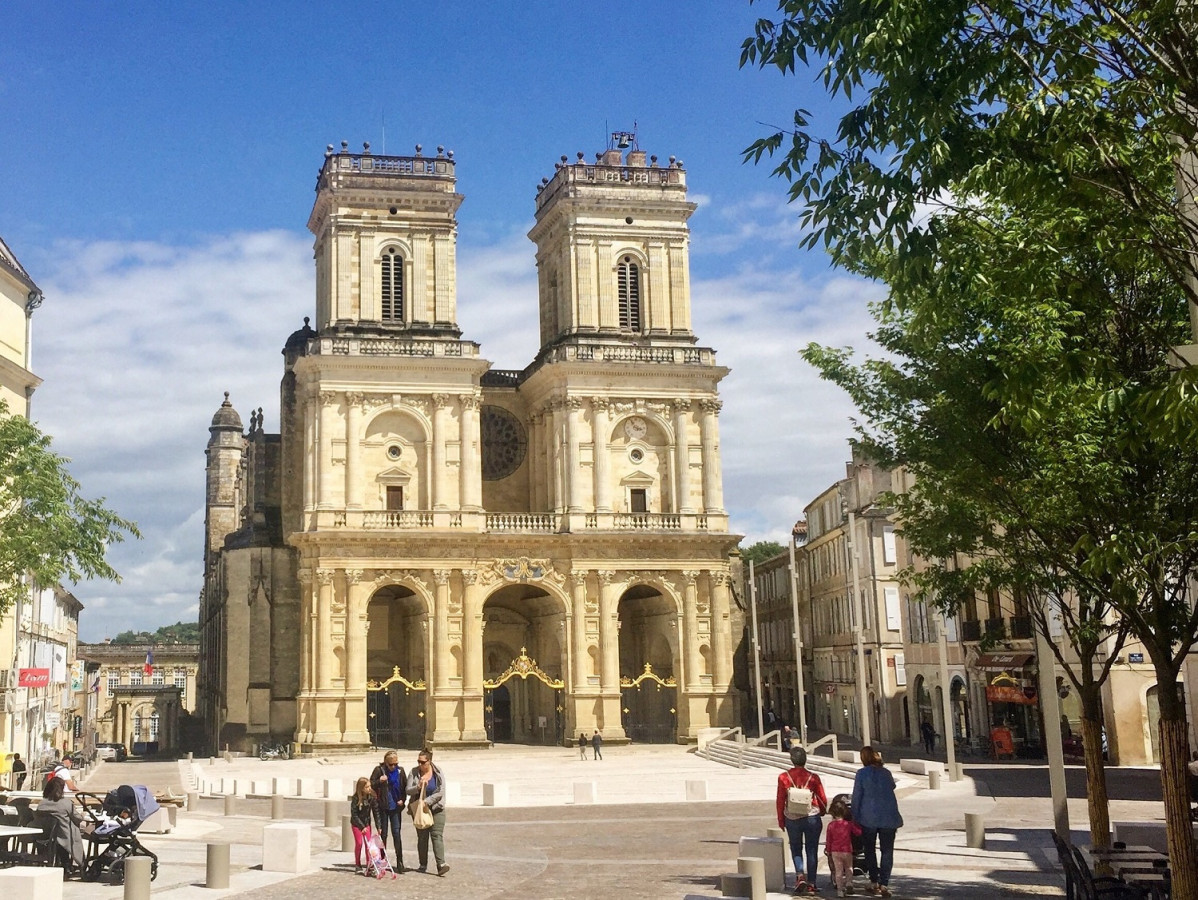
[(585, 791), (920, 766), (1143, 834), (696, 791), (772, 852), (287, 847), (849, 756), (733, 884), (31, 883)]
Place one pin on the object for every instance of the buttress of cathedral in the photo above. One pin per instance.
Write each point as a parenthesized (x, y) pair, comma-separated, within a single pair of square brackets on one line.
[(433, 551)]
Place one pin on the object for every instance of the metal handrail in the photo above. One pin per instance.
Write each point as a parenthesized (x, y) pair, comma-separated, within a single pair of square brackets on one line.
[(827, 738), (761, 741)]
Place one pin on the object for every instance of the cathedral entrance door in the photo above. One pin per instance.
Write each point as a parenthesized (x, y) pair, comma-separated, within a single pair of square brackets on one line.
[(395, 668), (648, 639), (523, 630)]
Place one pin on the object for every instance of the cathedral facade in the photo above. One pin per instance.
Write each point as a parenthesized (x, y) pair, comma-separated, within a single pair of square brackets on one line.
[(435, 551)]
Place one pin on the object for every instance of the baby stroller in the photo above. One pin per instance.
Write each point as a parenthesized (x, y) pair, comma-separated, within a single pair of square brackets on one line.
[(858, 841), (113, 838), (376, 856)]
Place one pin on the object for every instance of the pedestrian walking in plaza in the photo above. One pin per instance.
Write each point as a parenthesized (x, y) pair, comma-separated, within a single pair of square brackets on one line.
[(18, 770), (390, 791), (801, 804), (787, 738), (582, 744), (929, 737), (596, 744), (427, 781), (839, 845), (363, 811), (875, 809)]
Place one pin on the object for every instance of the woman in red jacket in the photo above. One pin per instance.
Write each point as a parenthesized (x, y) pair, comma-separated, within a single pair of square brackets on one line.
[(803, 831)]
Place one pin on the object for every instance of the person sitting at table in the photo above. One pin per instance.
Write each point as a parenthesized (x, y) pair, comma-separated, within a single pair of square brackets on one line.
[(60, 819)]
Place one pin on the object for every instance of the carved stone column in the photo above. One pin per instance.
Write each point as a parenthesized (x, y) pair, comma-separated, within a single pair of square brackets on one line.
[(474, 725), (721, 654), (578, 622), (440, 435), (311, 411), (573, 457), (690, 632), (328, 419), (441, 655), (326, 661), (470, 471), (356, 624), (353, 451), (307, 623), (536, 465), (602, 463), (713, 492), (682, 456), (609, 633)]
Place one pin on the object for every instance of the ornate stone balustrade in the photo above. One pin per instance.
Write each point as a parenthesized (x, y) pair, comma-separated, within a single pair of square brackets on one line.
[(512, 522), (598, 352), (542, 523), (340, 346)]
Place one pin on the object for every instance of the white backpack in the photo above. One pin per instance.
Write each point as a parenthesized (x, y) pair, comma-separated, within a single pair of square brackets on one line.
[(798, 800)]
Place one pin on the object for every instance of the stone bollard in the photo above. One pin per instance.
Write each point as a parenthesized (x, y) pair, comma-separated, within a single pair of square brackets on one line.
[(218, 866), (780, 834), (347, 835), (585, 792), (933, 780), (959, 772), (696, 791), (332, 813), (975, 831), (282, 786), (211, 760), (229, 801), (228, 756), (772, 852), (189, 756), (754, 867), (276, 807), (137, 878), (733, 884), (334, 789), (32, 881), (193, 800), (495, 794)]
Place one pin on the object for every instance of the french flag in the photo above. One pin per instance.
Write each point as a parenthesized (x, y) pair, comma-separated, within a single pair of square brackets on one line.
[(149, 666)]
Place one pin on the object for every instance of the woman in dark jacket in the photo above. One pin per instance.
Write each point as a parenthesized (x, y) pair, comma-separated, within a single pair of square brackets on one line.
[(875, 809), (429, 778), (60, 818)]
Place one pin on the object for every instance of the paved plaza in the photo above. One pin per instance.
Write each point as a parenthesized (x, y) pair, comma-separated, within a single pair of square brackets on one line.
[(641, 839)]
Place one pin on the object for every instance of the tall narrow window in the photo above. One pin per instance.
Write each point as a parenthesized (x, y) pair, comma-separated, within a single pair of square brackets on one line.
[(628, 287), (391, 282), (638, 500)]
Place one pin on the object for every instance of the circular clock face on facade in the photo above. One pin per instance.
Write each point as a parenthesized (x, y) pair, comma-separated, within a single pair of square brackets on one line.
[(504, 442), (635, 428)]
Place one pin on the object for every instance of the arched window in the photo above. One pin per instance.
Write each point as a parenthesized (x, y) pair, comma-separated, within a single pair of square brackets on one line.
[(628, 289), (391, 283)]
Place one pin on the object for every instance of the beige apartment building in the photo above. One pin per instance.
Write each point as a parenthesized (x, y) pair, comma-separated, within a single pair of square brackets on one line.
[(433, 550)]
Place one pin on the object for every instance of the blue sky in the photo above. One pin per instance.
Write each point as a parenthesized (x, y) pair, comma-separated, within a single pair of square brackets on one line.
[(160, 163)]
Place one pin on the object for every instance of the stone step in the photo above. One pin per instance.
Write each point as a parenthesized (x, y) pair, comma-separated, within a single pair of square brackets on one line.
[(733, 753)]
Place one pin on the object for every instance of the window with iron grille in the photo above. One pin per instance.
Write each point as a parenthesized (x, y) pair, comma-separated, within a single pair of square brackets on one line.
[(391, 282), (628, 289)]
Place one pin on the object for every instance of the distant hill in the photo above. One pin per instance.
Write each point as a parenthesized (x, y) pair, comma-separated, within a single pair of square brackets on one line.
[(179, 633)]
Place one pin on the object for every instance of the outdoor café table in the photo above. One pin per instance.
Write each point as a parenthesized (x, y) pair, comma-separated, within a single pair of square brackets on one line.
[(1155, 883), (18, 832)]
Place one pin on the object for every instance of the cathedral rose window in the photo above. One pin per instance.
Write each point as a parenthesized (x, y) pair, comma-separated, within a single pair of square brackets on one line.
[(504, 442)]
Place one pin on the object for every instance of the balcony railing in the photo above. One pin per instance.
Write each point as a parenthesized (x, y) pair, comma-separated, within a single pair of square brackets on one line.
[(544, 523), (971, 631), (996, 629), (1021, 626), (510, 522)]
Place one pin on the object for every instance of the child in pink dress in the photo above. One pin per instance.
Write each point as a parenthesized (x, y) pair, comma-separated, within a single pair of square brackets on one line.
[(838, 844)]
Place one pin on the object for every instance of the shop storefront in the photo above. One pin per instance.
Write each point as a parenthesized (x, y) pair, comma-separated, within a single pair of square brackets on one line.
[(1012, 707)]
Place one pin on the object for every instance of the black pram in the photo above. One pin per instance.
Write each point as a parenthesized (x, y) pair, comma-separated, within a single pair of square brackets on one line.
[(113, 839), (859, 867)]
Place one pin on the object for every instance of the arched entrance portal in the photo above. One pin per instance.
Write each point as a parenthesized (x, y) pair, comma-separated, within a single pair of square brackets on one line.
[(395, 668), (648, 648), (523, 633)]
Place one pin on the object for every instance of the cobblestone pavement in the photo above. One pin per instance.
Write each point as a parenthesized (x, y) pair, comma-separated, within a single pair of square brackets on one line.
[(546, 846)]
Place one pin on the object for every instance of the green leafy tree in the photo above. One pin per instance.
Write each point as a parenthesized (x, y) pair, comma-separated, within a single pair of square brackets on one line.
[(1019, 391), (48, 530), (759, 552), (179, 633), (1086, 108)]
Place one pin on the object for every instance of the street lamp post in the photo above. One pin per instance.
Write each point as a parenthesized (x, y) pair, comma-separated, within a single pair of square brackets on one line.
[(756, 650), (859, 612), (798, 636)]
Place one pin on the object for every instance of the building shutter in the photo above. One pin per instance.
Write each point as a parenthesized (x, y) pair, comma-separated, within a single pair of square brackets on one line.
[(894, 618)]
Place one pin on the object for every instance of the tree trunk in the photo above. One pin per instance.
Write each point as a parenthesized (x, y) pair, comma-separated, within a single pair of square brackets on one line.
[(1096, 792), (1175, 751)]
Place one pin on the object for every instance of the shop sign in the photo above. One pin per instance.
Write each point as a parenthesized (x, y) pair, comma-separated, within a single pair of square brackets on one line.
[(1135, 657), (829, 689), (1001, 693), (33, 678)]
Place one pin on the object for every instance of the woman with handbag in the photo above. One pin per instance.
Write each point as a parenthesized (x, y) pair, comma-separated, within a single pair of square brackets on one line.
[(801, 803), (426, 787)]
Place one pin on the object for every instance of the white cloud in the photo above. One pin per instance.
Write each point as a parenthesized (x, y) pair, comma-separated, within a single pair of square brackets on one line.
[(138, 341)]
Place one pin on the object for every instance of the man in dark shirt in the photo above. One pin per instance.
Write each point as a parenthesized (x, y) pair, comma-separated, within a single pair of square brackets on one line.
[(18, 770), (596, 743)]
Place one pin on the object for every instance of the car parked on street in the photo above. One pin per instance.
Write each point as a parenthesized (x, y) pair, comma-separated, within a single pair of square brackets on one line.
[(112, 752)]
